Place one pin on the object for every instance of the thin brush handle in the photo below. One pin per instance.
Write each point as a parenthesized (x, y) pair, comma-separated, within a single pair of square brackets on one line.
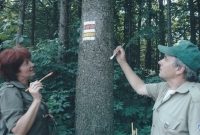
[(114, 54), (42, 79)]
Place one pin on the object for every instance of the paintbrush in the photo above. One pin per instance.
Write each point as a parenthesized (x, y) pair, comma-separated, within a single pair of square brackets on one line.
[(115, 53), (42, 79)]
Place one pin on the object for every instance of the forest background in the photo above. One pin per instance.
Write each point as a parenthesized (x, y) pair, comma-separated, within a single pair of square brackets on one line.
[(51, 29)]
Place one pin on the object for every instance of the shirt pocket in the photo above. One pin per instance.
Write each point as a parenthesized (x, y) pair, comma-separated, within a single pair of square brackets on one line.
[(169, 123)]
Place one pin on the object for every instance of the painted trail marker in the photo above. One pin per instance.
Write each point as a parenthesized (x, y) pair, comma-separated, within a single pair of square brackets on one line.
[(89, 30)]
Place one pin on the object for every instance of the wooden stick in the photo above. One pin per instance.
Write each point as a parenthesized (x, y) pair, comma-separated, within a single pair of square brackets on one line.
[(132, 129), (42, 79), (136, 131), (115, 53)]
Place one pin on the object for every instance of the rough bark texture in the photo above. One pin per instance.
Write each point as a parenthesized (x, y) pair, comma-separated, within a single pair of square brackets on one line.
[(33, 23), (198, 3), (63, 29), (20, 21), (192, 22), (94, 88), (169, 38)]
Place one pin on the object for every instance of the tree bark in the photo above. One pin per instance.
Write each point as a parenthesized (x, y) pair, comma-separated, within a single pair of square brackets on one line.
[(33, 24), (138, 40), (162, 31), (192, 22), (169, 38), (161, 23), (79, 8), (129, 33), (149, 47), (63, 29), (94, 85), (55, 20), (198, 3), (20, 21)]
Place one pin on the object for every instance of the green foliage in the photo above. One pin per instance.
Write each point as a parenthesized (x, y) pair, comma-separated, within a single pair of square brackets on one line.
[(131, 107), (59, 89), (3, 36), (8, 33)]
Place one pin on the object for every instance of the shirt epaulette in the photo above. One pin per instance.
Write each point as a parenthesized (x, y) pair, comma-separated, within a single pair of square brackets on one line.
[(8, 85), (195, 92)]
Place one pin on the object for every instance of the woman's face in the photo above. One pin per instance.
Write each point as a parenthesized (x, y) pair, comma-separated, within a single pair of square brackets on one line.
[(26, 70)]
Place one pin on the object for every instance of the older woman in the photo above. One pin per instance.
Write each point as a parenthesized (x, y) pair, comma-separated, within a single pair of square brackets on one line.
[(21, 113)]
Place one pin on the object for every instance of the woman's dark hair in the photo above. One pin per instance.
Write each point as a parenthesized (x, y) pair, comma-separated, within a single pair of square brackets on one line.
[(11, 60)]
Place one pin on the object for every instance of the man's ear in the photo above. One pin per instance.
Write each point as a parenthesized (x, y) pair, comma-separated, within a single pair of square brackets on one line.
[(180, 70)]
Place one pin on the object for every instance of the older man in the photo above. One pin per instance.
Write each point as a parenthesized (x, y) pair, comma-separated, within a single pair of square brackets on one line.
[(177, 101)]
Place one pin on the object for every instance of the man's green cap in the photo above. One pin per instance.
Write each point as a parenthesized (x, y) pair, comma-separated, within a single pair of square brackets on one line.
[(186, 51)]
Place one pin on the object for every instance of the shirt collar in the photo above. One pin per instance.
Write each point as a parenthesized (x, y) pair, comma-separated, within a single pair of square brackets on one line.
[(184, 88), (18, 84)]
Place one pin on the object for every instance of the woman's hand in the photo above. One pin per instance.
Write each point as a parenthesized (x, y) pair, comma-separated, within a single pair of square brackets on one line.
[(34, 90)]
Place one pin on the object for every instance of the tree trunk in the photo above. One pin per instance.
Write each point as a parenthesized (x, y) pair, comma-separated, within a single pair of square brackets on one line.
[(125, 21), (63, 29), (161, 23), (192, 22), (55, 20), (129, 33), (79, 8), (198, 3), (149, 47), (169, 38), (33, 24), (138, 41), (94, 85), (161, 31), (20, 20)]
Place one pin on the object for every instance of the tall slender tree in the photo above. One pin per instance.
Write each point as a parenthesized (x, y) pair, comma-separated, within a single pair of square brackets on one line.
[(63, 28), (169, 38), (79, 8), (56, 18), (128, 31), (161, 23), (138, 28), (33, 23), (149, 46), (192, 22), (20, 21), (162, 30), (94, 86), (63, 25), (198, 5)]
